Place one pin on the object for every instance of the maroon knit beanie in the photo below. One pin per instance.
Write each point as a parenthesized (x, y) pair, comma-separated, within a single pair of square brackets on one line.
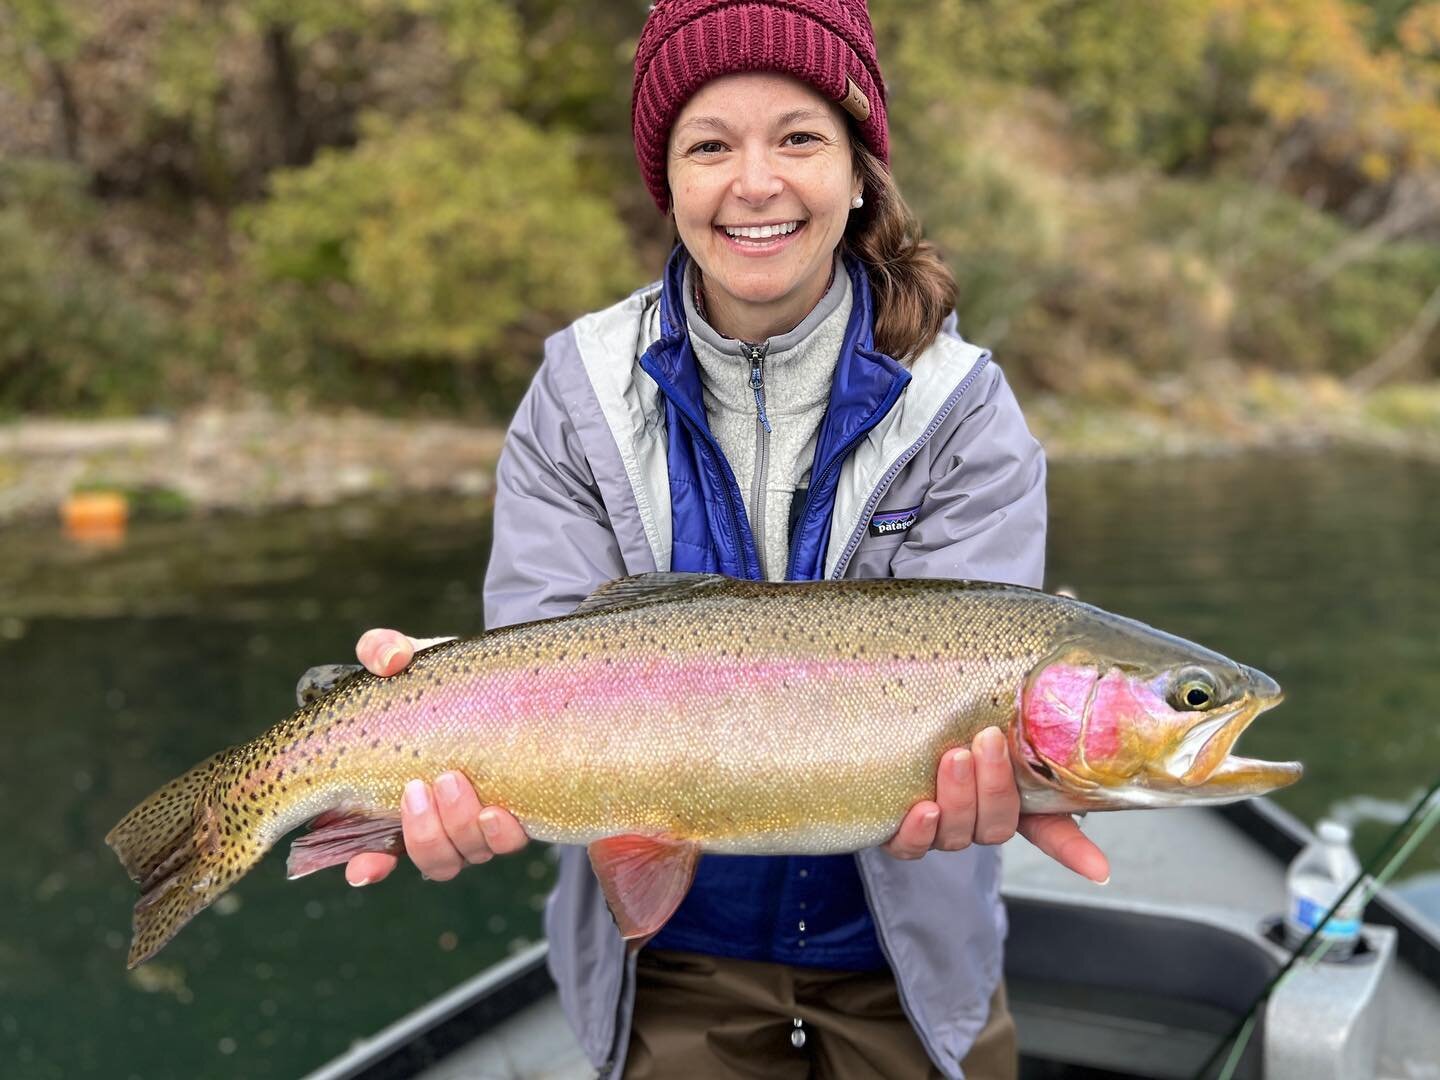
[(829, 44)]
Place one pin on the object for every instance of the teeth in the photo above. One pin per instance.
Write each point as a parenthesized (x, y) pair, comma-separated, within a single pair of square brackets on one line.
[(761, 232)]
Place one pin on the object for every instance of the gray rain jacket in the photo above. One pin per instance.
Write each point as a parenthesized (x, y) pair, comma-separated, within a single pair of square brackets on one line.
[(582, 498)]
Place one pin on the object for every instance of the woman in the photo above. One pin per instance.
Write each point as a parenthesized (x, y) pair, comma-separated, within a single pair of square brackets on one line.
[(791, 401)]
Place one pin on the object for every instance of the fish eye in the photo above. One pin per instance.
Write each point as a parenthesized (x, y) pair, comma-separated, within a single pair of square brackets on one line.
[(1195, 694)]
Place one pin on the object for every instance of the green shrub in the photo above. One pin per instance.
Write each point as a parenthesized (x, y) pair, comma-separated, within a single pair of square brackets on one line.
[(458, 240), (1297, 305), (72, 336)]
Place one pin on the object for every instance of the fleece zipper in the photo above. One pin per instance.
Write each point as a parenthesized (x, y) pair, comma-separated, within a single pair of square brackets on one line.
[(760, 482)]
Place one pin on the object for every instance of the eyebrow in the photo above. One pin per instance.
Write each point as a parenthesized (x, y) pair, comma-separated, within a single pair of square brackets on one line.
[(794, 116)]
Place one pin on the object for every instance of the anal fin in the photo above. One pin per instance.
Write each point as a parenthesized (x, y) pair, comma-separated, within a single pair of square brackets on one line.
[(337, 836), (644, 878)]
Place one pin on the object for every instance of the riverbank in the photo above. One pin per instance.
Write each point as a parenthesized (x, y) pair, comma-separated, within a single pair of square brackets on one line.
[(252, 460), (260, 459)]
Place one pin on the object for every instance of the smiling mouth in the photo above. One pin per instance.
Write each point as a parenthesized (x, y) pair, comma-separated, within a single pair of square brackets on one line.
[(760, 235)]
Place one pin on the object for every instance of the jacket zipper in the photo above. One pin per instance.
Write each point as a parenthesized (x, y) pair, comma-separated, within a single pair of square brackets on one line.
[(879, 490), (758, 483)]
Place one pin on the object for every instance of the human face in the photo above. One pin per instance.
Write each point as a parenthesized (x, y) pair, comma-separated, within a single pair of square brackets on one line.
[(756, 149)]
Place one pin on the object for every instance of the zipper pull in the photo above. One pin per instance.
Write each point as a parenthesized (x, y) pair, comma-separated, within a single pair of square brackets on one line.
[(757, 383)]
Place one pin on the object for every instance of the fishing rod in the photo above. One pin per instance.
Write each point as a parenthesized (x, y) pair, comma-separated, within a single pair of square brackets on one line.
[(1392, 854)]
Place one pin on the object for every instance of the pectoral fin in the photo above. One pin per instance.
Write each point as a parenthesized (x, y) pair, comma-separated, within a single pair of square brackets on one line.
[(644, 878)]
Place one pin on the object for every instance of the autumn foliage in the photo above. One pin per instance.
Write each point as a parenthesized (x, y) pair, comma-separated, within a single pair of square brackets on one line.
[(391, 202)]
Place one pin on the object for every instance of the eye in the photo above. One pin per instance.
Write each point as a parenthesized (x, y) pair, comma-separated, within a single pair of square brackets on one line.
[(807, 136), (1195, 694), (707, 147)]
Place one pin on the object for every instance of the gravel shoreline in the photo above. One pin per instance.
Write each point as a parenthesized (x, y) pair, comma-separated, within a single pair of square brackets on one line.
[(252, 460), (246, 461)]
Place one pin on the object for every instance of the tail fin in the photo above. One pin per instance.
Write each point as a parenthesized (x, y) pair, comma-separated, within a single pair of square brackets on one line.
[(148, 836), (173, 845)]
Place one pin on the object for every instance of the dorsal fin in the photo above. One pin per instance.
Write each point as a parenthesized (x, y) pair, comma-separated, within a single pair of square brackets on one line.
[(645, 589)]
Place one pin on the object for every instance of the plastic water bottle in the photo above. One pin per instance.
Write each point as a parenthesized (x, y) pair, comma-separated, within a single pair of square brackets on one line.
[(1315, 881)]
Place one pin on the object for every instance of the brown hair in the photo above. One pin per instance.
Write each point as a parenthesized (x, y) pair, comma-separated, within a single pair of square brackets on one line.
[(914, 289)]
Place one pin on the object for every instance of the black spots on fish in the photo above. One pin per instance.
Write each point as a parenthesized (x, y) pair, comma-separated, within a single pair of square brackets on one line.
[(334, 763), (397, 748), (995, 700), (374, 744), (414, 753)]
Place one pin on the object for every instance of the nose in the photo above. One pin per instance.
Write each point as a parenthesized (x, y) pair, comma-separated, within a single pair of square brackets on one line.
[(1262, 685), (757, 180)]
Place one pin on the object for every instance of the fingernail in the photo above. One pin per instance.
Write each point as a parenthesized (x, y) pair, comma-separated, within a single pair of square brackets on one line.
[(489, 822), (930, 817), (358, 882), (448, 786), (388, 655), (417, 801), (1105, 882), (991, 743), (960, 765)]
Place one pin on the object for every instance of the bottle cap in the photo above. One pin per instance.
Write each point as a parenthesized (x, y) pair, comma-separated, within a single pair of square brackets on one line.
[(1332, 832)]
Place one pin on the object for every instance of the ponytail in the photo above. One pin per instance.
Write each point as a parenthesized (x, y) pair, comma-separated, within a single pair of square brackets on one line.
[(914, 289)]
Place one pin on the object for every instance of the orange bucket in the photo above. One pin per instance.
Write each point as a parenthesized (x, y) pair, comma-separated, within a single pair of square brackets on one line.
[(95, 515)]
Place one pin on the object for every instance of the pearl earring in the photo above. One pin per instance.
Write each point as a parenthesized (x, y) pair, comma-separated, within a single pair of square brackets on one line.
[(857, 202)]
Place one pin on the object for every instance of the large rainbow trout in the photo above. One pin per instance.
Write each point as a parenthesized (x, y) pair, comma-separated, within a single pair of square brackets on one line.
[(673, 714)]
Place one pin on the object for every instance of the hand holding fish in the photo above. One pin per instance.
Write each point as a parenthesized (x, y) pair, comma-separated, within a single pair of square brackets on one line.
[(444, 826), (977, 801)]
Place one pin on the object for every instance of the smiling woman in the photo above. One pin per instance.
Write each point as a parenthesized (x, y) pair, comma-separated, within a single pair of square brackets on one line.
[(792, 401)]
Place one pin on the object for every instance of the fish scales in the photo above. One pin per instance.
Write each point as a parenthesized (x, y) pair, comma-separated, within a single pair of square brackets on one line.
[(734, 717), (752, 722)]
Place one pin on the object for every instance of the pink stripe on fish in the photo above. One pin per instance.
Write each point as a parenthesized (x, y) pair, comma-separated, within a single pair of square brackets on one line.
[(603, 687)]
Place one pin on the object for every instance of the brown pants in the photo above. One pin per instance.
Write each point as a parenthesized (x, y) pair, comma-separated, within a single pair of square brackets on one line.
[(702, 1017)]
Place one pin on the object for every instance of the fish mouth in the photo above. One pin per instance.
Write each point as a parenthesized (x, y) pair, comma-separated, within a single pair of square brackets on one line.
[(1204, 765)]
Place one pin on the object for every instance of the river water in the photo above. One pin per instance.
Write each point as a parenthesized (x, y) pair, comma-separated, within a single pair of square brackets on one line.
[(123, 667)]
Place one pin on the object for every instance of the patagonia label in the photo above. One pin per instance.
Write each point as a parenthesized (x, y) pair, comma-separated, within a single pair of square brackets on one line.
[(888, 522)]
